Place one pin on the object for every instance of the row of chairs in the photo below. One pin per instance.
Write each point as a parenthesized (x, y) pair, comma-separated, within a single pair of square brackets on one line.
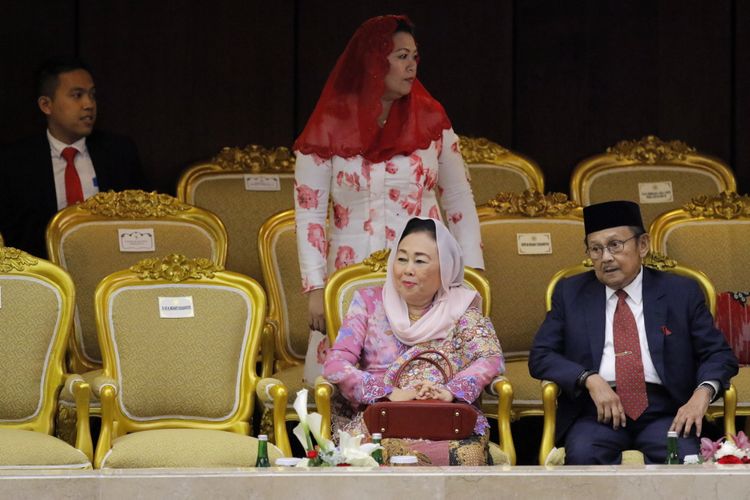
[(177, 389), (245, 186)]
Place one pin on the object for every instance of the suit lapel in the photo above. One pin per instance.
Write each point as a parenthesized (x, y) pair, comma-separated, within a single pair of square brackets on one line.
[(594, 305), (655, 317)]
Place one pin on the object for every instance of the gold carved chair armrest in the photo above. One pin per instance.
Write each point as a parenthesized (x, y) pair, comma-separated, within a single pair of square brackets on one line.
[(550, 391), (106, 389), (80, 391), (502, 388), (324, 391), (273, 391)]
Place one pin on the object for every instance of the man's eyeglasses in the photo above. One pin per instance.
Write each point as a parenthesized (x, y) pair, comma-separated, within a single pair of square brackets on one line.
[(613, 247)]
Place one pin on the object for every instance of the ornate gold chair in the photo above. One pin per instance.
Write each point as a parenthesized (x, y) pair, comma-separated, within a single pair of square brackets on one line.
[(527, 237), (1, 241), (179, 338), (550, 390), (710, 233), (109, 232), (243, 186), (285, 341), (36, 313), (493, 169), (371, 272), (659, 175)]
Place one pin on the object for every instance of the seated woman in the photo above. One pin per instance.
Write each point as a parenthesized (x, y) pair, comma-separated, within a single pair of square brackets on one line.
[(423, 305)]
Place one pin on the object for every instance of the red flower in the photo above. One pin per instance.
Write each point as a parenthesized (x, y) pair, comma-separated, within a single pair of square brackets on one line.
[(729, 459)]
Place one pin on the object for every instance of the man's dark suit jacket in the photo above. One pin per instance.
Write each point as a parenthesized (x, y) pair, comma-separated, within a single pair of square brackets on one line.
[(685, 347), (27, 184)]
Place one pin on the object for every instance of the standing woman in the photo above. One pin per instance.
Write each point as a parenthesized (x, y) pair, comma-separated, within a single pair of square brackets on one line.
[(382, 149)]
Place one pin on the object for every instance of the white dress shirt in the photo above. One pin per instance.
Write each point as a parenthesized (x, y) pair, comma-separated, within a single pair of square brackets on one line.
[(84, 167), (635, 302)]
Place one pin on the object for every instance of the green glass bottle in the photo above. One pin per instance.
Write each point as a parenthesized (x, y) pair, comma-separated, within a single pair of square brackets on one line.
[(672, 456), (377, 455), (262, 460)]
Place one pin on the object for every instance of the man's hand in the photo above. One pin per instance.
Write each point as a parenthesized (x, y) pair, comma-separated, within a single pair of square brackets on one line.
[(608, 405), (691, 413), (399, 394), (317, 313)]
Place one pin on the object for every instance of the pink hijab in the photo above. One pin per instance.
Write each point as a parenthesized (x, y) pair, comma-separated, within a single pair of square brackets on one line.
[(451, 300)]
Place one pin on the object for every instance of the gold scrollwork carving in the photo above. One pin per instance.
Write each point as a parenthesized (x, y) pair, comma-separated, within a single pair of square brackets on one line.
[(13, 259), (256, 159), (532, 203), (175, 268), (659, 261), (133, 204), (480, 150), (650, 150), (378, 260), (725, 205)]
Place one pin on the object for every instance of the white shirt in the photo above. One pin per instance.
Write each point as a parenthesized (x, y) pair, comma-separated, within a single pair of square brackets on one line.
[(635, 302), (84, 167)]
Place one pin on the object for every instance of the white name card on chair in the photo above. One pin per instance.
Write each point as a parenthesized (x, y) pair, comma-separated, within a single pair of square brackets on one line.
[(259, 182), (137, 240), (655, 192), (534, 243), (176, 307)]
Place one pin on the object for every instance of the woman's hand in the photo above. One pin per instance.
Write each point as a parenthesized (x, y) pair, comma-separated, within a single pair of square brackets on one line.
[(430, 390), (399, 394), (317, 312)]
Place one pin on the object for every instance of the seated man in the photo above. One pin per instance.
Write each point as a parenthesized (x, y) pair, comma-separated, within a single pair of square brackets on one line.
[(634, 350), (65, 164)]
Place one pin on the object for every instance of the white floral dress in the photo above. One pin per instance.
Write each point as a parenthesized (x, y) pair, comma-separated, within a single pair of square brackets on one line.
[(371, 199)]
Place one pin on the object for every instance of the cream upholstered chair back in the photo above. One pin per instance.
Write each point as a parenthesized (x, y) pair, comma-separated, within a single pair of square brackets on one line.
[(709, 233), (660, 176), (342, 285), (179, 338), (36, 312), (287, 305), (527, 237), (113, 230), (493, 169), (243, 186)]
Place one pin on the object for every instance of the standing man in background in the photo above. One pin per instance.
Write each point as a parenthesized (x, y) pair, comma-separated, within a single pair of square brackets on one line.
[(64, 165)]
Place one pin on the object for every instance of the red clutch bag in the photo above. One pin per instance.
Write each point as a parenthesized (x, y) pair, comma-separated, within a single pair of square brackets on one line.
[(422, 419)]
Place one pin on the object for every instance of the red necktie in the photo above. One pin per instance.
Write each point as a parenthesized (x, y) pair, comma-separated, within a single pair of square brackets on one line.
[(629, 376), (73, 188)]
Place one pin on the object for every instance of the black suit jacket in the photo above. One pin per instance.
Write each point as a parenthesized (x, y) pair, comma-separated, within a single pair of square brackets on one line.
[(685, 347), (27, 184)]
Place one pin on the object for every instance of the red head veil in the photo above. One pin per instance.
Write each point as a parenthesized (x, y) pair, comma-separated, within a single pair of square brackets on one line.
[(344, 122)]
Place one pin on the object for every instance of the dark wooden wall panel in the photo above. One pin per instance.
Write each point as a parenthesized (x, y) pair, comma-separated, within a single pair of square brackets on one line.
[(29, 33), (558, 81), (740, 93), (466, 56), (186, 78)]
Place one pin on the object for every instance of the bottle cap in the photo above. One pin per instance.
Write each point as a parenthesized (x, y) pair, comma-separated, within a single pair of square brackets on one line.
[(404, 460), (672, 434), (262, 437), (287, 461)]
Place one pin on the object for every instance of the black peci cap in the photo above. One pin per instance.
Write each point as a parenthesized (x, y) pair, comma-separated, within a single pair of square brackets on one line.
[(611, 214)]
